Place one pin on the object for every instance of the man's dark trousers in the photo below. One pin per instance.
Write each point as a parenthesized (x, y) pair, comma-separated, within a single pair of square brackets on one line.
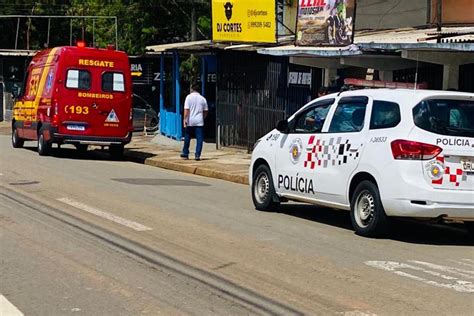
[(198, 131)]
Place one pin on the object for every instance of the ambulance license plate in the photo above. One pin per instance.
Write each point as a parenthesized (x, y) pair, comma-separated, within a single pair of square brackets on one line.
[(467, 165), (76, 127)]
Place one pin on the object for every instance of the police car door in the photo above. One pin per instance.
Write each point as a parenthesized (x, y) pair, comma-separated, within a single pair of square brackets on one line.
[(294, 176), (336, 154)]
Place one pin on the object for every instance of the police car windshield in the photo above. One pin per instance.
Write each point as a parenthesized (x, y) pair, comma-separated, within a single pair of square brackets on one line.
[(445, 117)]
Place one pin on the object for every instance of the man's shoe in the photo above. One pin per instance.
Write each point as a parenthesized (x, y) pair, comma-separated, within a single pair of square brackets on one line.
[(184, 156), (197, 158)]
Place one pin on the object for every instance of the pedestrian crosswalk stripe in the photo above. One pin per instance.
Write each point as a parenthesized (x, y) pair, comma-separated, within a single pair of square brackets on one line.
[(447, 277), (7, 308)]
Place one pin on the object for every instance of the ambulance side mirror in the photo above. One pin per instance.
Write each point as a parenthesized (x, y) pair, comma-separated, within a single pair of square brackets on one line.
[(282, 126), (15, 94)]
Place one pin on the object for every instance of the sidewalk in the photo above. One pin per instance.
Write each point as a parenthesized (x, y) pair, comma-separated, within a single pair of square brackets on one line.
[(159, 151)]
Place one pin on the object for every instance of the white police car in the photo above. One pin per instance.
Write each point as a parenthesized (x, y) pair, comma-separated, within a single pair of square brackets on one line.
[(377, 153)]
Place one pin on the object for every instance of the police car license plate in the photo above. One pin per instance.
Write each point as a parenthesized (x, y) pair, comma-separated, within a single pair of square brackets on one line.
[(467, 165), (76, 128)]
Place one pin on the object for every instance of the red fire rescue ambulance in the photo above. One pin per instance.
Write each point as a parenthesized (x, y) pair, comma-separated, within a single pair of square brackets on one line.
[(75, 95)]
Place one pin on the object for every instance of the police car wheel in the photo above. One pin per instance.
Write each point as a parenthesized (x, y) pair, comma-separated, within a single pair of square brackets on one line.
[(367, 213), (44, 147), (263, 192), (470, 228), (17, 142)]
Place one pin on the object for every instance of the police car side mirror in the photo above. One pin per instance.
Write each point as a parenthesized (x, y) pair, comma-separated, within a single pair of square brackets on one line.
[(282, 126)]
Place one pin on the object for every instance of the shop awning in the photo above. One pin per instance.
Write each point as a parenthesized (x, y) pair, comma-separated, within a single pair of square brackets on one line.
[(456, 39), (205, 45), (16, 53), (311, 51)]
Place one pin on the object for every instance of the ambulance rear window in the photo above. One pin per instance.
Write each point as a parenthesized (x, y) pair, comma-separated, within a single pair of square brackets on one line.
[(113, 82), (78, 79)]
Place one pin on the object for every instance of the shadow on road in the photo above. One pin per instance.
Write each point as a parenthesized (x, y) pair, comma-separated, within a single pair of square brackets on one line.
[(321, 215), (403, 230), (72, 153)]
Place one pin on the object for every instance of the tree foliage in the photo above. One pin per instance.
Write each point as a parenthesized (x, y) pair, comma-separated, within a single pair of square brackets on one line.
[(140, 23)]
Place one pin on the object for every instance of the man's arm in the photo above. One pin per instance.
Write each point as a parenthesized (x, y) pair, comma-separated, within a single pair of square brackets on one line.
[(186, 116), (205, 109)]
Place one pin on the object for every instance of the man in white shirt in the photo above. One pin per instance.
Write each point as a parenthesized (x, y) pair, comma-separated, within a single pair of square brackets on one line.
[(195, 111)]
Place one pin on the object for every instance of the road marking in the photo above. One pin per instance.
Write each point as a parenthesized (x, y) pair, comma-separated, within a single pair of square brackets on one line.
[(464, 273), (358, 313), (7, 308), (92, 210), (449, 278), (462, 263)]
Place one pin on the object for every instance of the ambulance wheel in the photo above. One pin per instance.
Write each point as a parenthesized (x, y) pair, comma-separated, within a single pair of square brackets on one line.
[(17, 142), (116, 151), (367, 214), (263, 192), (44, 147), (82, 148)]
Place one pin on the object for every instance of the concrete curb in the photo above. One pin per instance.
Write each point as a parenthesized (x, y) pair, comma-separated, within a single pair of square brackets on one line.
[(205, 172), (144, 158)]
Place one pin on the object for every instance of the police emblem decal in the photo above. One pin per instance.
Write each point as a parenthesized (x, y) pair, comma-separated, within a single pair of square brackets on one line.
[(296, 148), (435, 170)]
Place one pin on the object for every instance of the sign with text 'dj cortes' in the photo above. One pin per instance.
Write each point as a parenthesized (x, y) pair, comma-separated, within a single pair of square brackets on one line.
[(244, 21)]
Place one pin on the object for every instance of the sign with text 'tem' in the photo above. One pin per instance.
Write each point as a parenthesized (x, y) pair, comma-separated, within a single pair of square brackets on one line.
[(244, 21)]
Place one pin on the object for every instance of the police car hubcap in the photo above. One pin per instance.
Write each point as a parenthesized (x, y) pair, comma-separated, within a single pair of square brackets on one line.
[(365, 208), (262, 188)]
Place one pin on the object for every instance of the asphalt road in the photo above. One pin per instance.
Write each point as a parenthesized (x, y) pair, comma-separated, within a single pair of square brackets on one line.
[(82, 234)]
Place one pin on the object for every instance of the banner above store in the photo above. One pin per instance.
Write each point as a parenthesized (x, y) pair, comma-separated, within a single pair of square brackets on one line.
[(325, 22), (244, 21)]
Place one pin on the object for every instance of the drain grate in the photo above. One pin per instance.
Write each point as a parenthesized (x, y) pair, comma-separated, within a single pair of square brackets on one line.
[(167, 182)]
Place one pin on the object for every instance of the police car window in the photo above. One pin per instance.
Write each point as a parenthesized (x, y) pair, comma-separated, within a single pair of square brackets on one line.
[(113, 82), (349, 115), (384, 115), (78, 79), (312, 119), (445, 117)]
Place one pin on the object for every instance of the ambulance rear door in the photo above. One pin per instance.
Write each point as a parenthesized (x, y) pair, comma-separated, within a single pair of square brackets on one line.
[(97, 95)]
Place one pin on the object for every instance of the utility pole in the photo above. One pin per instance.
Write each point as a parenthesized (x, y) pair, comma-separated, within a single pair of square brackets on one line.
[(439, 17), (193, 22), (29, 28)]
